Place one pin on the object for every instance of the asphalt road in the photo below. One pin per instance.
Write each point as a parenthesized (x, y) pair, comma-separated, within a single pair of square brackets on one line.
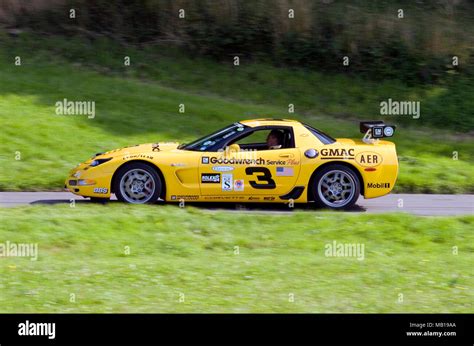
[(414, 204)]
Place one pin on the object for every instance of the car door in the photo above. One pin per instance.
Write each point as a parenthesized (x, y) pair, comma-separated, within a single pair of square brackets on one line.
[(249, 173), (276, 176)]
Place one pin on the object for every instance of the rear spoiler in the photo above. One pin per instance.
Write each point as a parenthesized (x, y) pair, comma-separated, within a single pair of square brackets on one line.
[(374, 130)]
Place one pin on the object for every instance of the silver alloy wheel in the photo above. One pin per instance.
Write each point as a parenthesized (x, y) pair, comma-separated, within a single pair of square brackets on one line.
[(336, 188), (137, 186)]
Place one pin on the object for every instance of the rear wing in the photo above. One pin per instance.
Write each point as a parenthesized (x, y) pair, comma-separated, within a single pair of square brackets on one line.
[(374, 130)]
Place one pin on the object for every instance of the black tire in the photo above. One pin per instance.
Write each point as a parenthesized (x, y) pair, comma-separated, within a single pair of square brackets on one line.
[(326, 193), (147, 183), (99, 200)]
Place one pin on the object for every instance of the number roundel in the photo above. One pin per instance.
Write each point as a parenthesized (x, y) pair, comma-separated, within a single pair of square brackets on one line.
[(264, 180)]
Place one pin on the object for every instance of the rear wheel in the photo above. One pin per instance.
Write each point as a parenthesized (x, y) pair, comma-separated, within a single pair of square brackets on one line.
[(137, 183), (336, 187)]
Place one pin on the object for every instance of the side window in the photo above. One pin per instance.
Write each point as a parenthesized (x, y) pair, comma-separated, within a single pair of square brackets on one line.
[(267, 139), (256, 137)]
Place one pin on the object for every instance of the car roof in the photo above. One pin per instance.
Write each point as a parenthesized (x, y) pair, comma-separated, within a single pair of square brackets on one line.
[(269, 122)]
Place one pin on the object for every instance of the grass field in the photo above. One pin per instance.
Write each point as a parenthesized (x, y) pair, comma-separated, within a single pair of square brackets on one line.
[(140, 104), (408, 264)]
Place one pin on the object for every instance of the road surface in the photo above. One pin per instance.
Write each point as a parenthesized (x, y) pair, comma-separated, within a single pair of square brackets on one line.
[(414, 204)]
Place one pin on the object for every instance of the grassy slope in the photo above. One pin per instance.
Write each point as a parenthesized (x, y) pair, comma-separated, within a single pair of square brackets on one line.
[(140, 109), (191, 251)]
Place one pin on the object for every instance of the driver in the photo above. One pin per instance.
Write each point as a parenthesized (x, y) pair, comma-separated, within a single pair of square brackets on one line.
[(275, 139)]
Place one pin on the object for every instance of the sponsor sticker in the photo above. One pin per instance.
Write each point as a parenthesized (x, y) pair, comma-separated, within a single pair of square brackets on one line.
[(337, 153), (185, 197), (378, 131), (378, 185), (388, 131), (284, 171), (227, 180), (368, 159), (225, 198), (222, 168), (205, 160), (210, 178), (238, 185), (100, 190), (137, 156), (276, 162), (292, 162), (234, 161)]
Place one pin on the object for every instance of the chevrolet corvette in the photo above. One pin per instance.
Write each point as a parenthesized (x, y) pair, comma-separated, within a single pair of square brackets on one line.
[(261, 160)]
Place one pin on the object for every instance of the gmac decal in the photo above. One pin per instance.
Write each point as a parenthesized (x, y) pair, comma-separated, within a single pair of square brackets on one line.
[(327, 154)]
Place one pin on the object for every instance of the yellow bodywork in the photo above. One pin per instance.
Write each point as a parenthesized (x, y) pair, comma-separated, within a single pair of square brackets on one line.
[(181, 170)]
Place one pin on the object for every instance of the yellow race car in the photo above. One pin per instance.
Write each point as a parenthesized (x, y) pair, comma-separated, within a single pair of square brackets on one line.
[(261, 160)]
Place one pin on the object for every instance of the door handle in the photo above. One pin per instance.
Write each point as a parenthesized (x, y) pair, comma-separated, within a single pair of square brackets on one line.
[(285, 155)]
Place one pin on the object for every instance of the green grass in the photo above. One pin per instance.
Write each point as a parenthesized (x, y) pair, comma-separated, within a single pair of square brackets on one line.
[(191, 251), (139, 104)]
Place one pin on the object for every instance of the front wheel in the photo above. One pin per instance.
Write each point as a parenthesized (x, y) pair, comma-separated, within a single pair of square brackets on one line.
[(137, 183), (336, 187)]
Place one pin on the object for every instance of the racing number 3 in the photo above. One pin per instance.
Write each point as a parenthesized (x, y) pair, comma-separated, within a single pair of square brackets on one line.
[(266, 177)]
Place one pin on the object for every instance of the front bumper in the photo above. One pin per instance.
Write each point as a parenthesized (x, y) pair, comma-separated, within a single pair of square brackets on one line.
[(88, 182)]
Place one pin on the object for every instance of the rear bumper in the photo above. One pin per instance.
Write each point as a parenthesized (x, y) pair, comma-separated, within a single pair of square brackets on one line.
[(381, 181)]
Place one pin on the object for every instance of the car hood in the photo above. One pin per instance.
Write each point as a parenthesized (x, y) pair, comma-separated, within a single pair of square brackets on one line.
[(147, 148)]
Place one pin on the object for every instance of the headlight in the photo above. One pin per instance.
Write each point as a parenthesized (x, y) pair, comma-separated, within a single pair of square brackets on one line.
[(99, 162)]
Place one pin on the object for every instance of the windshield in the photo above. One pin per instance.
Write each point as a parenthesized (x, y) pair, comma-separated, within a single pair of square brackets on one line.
[(212, 140)]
